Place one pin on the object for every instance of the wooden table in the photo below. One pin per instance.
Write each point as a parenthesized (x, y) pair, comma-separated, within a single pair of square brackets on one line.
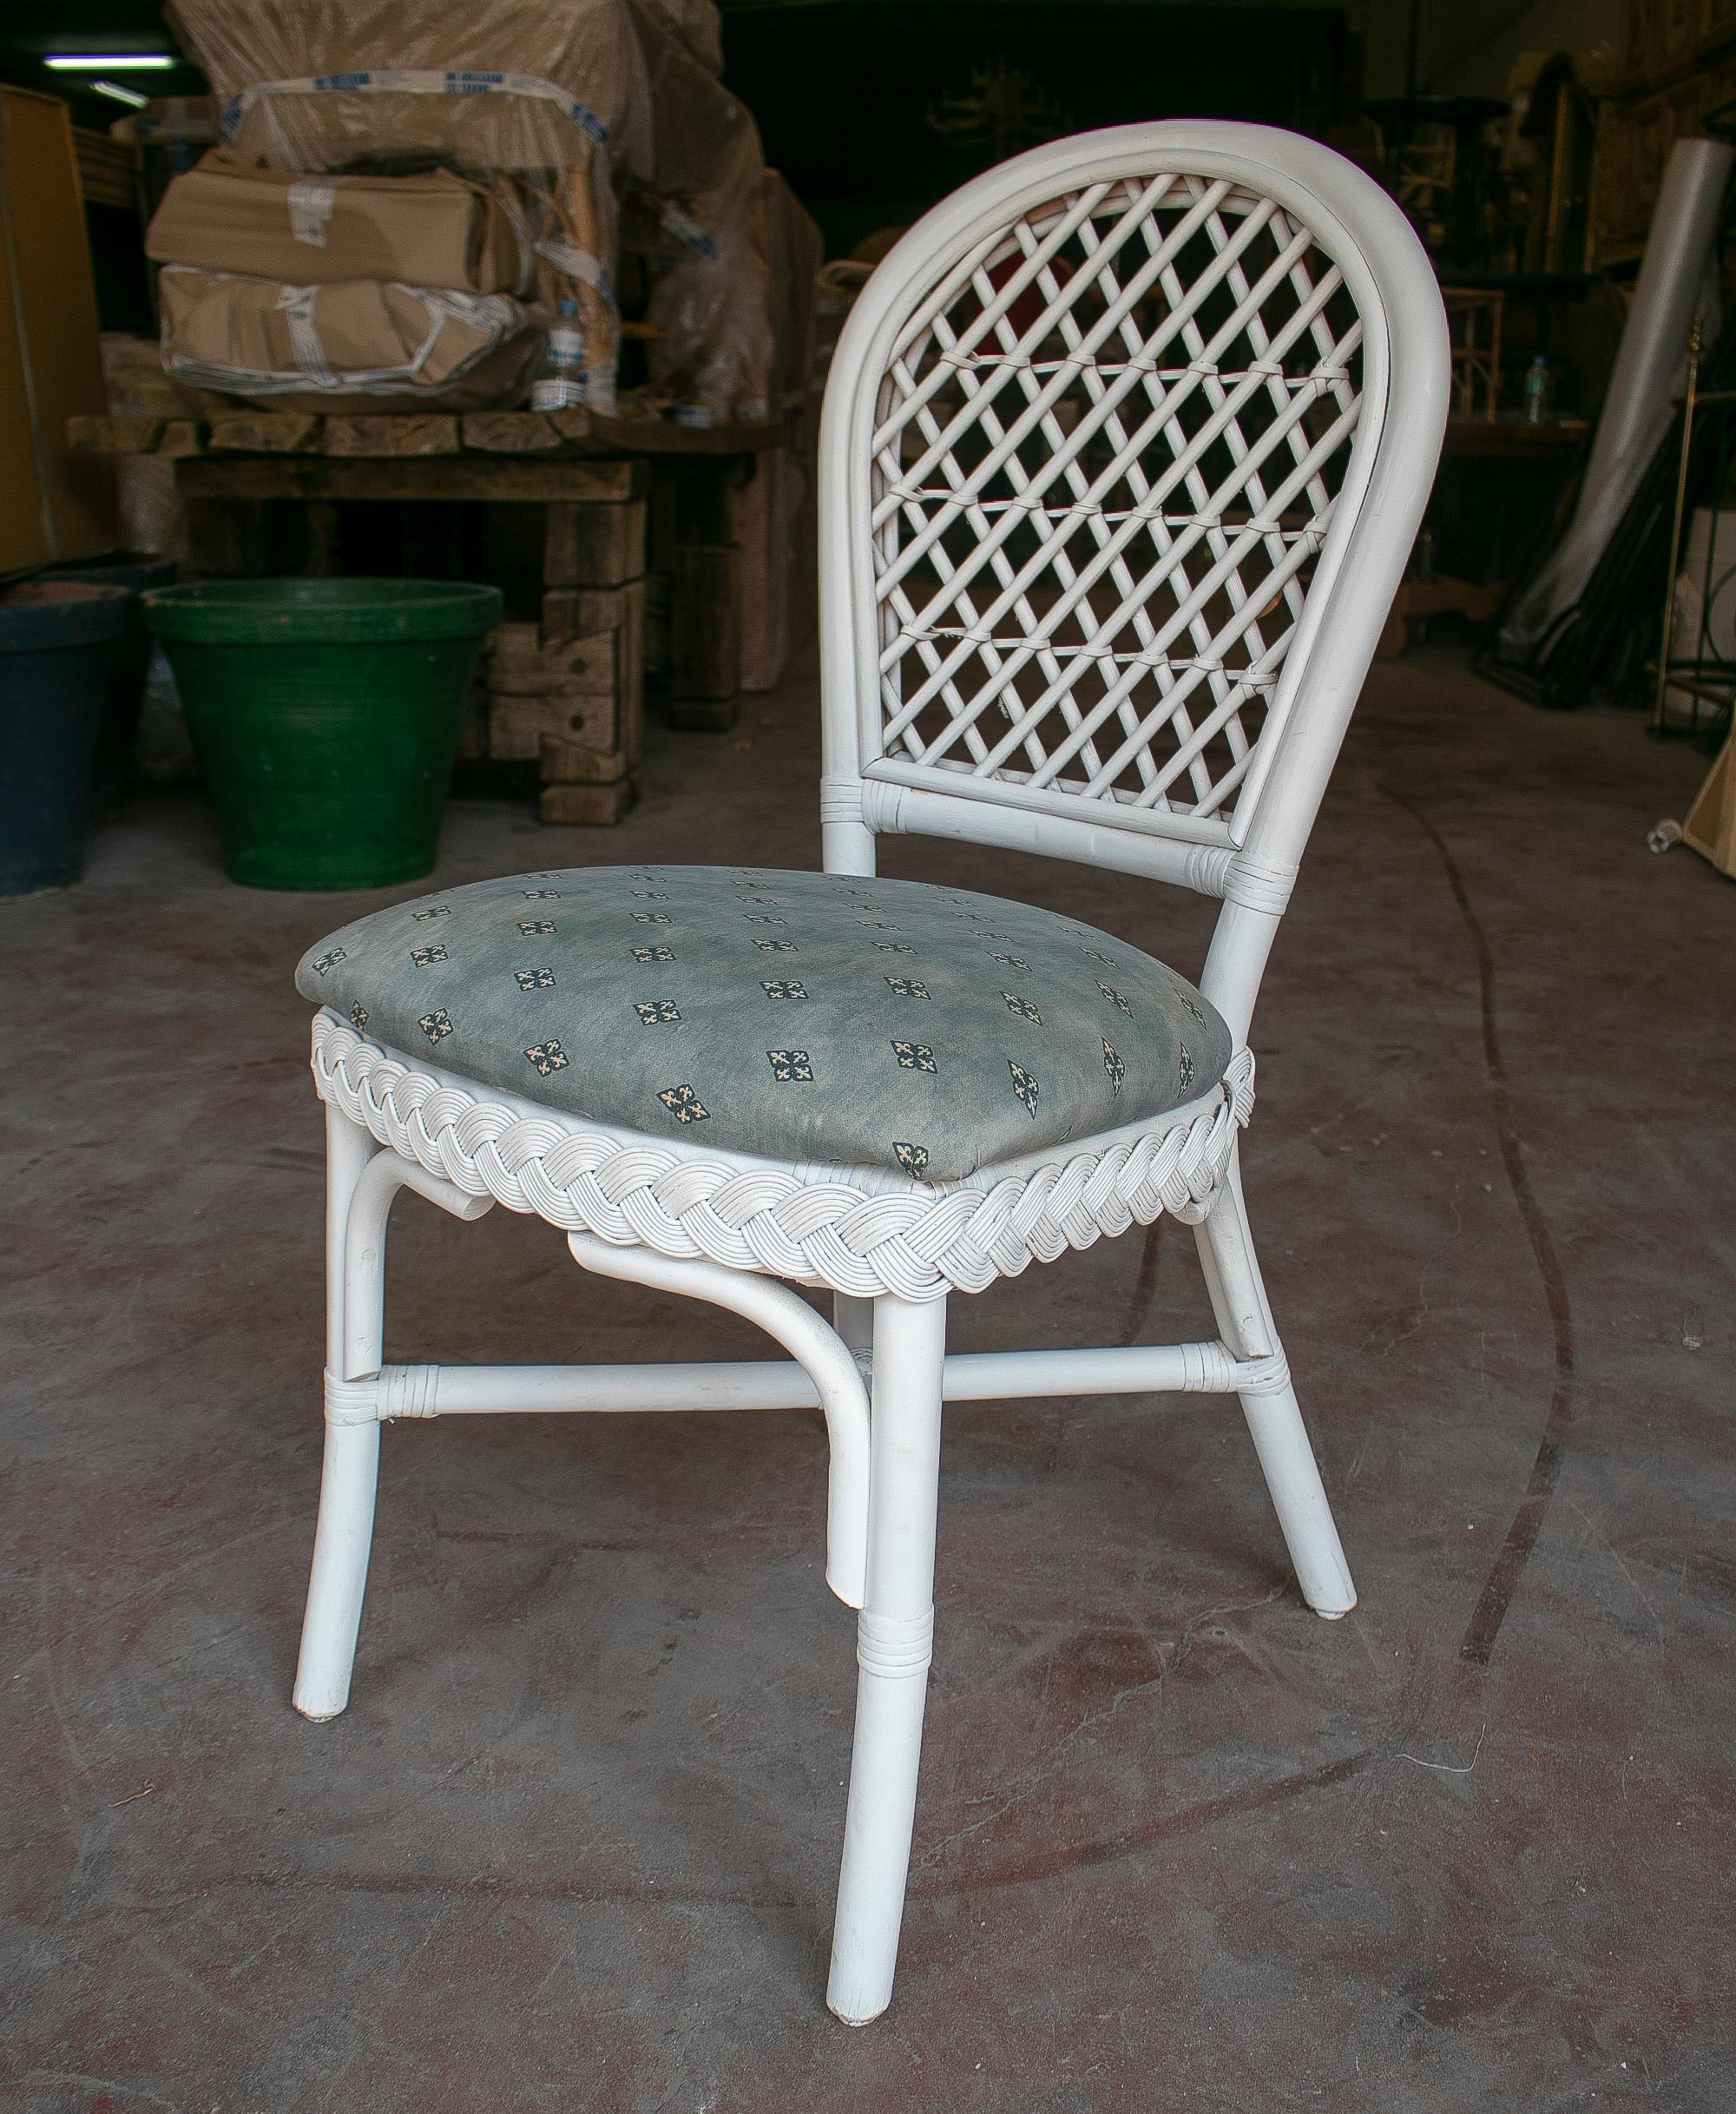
[(234, 469), (1502, 481), (1514, 439)]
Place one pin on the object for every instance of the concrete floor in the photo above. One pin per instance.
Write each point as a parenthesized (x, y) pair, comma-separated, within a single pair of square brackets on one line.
[(1181, 1846)]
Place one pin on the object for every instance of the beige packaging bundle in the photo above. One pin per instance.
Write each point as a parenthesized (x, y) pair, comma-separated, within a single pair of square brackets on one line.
[(435, 229), (360, 345)]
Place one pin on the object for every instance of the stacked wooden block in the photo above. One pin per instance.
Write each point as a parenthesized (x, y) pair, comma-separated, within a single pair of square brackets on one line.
[(569, 693)]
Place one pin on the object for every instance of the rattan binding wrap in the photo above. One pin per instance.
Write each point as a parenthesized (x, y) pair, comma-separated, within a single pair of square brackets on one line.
[(917, 1245)]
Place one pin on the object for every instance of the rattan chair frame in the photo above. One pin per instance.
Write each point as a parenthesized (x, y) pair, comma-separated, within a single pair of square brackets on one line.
[(1200, 759)]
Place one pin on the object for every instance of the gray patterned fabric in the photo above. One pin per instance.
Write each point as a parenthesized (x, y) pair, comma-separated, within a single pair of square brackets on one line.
[(812, 1018)]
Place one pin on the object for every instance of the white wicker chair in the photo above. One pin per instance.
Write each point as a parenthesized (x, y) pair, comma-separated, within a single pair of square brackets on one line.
[(1125, 447)]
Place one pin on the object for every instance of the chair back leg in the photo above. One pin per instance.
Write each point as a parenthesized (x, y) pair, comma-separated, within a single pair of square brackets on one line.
[(1274, 1417), (895, 1637)]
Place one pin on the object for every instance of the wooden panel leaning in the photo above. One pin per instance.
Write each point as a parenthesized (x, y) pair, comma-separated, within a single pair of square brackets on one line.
[(707, 576), (705, 645)]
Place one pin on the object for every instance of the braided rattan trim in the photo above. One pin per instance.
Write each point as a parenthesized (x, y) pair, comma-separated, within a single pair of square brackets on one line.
[(919, 1246)]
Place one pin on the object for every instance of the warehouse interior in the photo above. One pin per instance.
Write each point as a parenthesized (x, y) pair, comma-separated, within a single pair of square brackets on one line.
[(415, 434)]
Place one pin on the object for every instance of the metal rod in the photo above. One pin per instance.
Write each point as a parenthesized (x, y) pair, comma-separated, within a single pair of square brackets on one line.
[(1675, 531)]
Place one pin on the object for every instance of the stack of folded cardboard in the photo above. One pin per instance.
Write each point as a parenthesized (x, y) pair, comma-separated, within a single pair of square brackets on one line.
[(343, 292)]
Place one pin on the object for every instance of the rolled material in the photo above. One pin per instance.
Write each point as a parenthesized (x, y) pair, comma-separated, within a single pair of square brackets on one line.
[(1637, 407)]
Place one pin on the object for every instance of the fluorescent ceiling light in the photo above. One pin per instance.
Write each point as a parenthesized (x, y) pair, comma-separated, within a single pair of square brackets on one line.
[(108, 62), (116, 93)]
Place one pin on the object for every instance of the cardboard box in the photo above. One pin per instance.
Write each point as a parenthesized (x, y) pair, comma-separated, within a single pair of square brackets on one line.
[(437, 229), (58, 504), (358, 345)]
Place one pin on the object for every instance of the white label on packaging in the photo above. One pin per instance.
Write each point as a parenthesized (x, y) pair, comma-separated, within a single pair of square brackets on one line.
[(297, 303), (310, 207), (567, 344)]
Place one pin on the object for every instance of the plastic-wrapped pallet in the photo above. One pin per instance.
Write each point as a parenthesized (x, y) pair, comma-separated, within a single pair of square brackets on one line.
[(575, 99)]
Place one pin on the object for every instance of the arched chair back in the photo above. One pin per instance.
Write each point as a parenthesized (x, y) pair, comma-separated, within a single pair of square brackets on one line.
[(1125, 447)]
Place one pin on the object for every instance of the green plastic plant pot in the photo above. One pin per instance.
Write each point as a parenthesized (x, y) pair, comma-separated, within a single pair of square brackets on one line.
[(326, 717)]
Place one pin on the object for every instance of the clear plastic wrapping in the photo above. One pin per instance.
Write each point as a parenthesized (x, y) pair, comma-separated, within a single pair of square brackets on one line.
[(576, 103), (708, 293)]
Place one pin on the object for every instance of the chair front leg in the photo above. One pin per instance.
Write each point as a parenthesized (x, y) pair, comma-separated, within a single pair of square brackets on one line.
[(1274, 1416), (895, 1635), (355, 1292)]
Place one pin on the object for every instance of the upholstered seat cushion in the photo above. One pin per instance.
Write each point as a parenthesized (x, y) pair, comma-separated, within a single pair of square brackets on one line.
[(816, 1019)]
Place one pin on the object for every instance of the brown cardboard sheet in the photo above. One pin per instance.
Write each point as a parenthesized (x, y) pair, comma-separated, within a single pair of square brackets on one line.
[(433, 229)]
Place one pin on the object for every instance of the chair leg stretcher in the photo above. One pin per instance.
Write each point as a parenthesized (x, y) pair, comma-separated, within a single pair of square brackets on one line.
[(406, 1391)]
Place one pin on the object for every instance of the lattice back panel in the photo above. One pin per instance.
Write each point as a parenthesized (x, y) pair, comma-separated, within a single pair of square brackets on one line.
[(1106, 451)]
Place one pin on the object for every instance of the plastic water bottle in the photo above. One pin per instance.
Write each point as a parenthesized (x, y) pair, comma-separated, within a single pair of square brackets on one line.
[(561, 383), (1540, 392)]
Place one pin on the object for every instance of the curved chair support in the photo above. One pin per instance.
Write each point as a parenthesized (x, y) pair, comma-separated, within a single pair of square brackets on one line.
[(364, 1249), (787, 1317), (363, 1184)]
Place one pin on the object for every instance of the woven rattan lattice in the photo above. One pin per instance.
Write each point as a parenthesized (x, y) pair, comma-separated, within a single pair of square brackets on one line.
[(1107, 450)]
